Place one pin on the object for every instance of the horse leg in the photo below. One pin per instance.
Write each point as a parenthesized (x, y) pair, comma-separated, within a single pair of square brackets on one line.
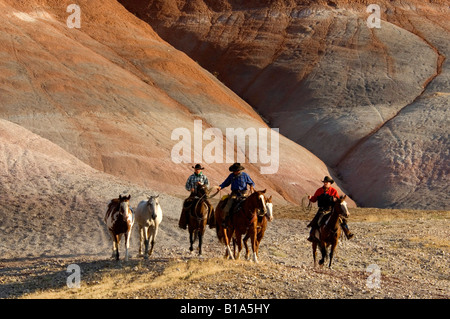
[(113, 239), (234, 246), (247, 251), (141, 238), (333, 247), (145, 237), (255, 250), (314, 249), (191, 240), (227, 242), (127, 244), (259, 237), (117, 242), (238, 238), (200, 241), (153, 231), (323, 251)]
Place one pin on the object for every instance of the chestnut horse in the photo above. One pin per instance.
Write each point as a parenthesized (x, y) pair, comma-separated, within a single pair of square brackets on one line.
[(261, 227), (243, 221), (330, 230), (198, 218), (119, 219)]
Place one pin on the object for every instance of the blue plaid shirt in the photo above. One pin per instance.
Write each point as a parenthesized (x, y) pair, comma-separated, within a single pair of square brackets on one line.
[(194, 179), (238, 182)]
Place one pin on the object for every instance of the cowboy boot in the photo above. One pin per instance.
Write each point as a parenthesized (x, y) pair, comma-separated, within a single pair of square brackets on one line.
[(311, 234), (347, 232)]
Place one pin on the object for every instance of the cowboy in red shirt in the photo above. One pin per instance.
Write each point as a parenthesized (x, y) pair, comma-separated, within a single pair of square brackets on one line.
[(325, 197)]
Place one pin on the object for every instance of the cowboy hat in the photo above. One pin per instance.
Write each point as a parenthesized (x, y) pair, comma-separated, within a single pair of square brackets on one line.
[(198, 166), (327, 179), (236, 167)]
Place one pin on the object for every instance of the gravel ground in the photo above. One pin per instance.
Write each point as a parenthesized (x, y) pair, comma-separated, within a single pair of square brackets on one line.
[(400, 255)]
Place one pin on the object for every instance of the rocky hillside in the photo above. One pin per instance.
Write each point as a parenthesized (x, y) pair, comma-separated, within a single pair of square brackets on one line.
[(112, 93), (372, 103)]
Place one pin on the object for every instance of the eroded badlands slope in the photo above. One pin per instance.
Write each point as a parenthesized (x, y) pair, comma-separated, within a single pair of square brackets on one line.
[(372, 103), (111, 93)]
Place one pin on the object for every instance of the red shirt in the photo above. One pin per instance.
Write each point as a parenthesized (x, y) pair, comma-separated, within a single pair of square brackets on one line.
[(331, 191)]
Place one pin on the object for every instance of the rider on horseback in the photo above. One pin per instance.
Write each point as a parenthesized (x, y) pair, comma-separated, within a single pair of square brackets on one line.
[(325, 197), (239, 181), (193, 182)]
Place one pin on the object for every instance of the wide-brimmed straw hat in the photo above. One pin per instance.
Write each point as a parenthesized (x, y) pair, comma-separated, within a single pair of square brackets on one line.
[(236, 167), (198, 166), (327, 179)]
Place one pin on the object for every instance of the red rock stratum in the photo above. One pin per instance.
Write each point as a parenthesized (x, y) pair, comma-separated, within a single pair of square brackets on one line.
[(112, 92)]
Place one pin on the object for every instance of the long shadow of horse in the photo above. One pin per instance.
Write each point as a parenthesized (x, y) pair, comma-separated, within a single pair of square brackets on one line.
[(35, 274)]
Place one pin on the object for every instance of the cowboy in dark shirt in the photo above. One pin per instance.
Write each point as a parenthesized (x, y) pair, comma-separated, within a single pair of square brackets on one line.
[(325, 197)]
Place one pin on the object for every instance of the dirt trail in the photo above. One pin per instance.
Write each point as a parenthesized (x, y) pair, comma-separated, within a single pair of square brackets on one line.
[(409, 250)]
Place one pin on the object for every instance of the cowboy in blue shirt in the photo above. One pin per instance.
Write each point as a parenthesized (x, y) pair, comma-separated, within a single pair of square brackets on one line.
[(238, 181)]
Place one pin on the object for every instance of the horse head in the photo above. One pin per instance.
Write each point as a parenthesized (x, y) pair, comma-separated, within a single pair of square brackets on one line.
[(202, 190), (124, 204), (341, 206), (261, 201), (269, 207), (152, 204)]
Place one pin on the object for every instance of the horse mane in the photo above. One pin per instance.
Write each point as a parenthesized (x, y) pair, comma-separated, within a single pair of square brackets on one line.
[(113, 205), (115, 202)]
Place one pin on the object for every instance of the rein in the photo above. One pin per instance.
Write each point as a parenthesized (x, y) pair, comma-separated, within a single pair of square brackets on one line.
[(198, 201), (214, 194), (193, 212)]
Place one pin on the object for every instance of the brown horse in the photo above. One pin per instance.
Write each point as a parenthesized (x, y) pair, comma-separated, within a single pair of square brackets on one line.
[(330, 231), (242, 222), (119, 219), (198, 218), (261, 227)]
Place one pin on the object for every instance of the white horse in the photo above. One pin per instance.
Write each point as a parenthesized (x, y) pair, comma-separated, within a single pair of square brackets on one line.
[(148, 216)]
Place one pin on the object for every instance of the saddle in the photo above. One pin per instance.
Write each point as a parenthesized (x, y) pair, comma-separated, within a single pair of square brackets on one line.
[(191, 200), (323, 219), (234, 207)]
